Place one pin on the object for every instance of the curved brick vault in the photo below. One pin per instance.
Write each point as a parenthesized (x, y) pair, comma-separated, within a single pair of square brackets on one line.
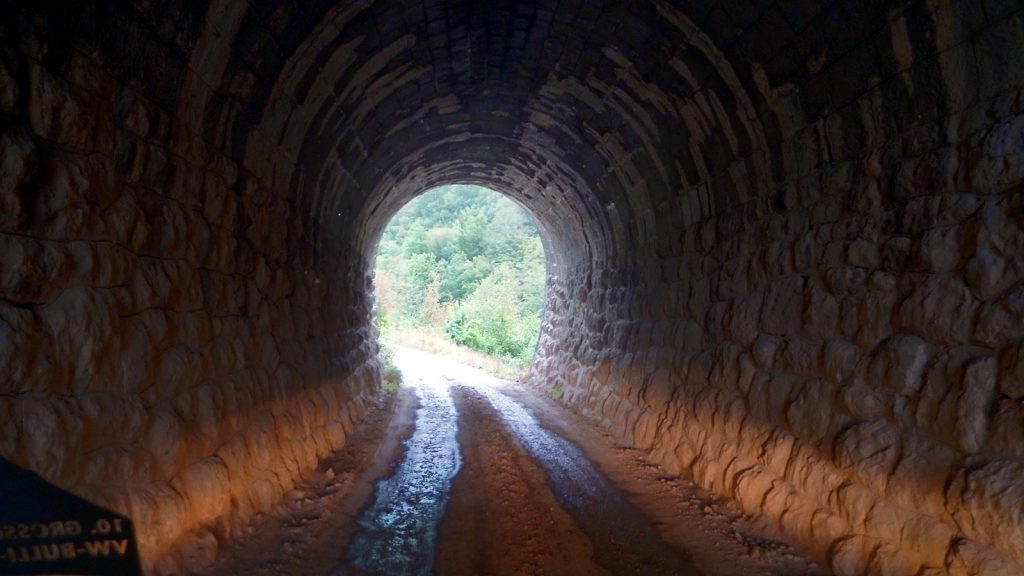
[(786, 246)]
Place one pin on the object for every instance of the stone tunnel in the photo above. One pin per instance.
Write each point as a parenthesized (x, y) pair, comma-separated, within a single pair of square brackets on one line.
[(785, 239)]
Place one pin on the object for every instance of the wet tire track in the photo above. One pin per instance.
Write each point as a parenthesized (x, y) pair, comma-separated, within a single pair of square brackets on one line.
[(398, 531), (624, 539), (530, 477), (503, 517)]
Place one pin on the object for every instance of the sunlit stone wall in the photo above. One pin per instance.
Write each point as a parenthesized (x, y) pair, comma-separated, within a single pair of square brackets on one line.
[(844, 356), (169, 346)]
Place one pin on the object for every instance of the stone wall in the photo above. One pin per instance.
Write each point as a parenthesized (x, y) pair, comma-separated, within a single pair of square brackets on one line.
[(846, 358), (169, 347)]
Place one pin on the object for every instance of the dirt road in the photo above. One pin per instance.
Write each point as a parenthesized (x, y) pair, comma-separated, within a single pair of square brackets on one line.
[(503, 518), (465, 474)]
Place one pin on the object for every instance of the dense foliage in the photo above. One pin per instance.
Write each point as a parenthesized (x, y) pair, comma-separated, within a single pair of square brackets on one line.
[(466, 261)]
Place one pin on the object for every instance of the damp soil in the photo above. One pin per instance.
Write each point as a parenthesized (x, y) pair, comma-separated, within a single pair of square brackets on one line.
[(503, 517), (308, 532), (397, 532), (464, 474), (717, 538)]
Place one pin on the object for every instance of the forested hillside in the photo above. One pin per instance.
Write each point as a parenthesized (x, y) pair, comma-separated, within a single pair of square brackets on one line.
[(466, 263)]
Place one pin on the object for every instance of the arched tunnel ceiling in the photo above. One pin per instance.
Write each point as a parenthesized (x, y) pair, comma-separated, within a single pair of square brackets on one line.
[(616, 123), (602, 118)]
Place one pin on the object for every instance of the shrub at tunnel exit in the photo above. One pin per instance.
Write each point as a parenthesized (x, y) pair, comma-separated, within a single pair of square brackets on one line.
[(491, 320), (466, 262)]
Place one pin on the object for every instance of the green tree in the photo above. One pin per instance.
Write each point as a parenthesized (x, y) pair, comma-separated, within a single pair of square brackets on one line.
[(466, 261), (417, 273), (473, 235), (492, 318)]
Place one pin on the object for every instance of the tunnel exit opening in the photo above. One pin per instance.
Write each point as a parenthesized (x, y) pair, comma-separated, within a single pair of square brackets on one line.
[(461, 270)]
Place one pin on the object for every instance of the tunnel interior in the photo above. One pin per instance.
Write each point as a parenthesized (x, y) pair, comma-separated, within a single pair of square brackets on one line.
[(785, 243)]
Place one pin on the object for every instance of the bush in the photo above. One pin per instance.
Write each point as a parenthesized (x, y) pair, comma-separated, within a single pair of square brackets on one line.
[(490, 319), (466, 262), (392, 375)]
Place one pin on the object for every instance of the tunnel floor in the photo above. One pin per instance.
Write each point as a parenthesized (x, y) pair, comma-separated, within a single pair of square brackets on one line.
[(462, 473)]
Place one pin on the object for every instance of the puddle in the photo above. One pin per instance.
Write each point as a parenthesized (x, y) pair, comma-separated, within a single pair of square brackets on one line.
[(397, 534)]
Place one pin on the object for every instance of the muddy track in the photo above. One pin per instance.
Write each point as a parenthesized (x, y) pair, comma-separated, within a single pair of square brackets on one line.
[(308, 532), (503, 518), (470, 475)]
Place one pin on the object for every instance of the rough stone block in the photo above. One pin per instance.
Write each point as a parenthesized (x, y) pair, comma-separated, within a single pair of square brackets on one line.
[(896, 252), (970, 558), (743, 318), (871, 449), (898, 365), (999, 322), (850, 555), (940, 249), (974, 408), (863, 254), (1011, 376), (765, 350), (863, 402), (805, 416), (841, 359), (783, 306), (1000, 161), (940, 309), (1006, 435), (822, 311), (987, 273)]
